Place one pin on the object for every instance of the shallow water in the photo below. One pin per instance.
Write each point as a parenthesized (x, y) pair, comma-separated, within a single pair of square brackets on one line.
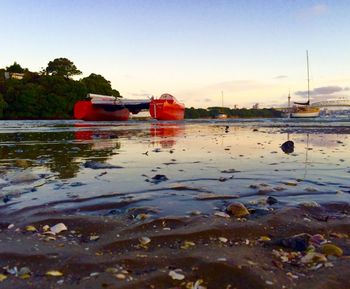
[(206, 165)]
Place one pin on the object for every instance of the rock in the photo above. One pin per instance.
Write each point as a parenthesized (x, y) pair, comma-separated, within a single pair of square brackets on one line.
[(54, 273), (313, 257), (158, 178), (290, 183), (144, 240), (331, 250), (288, 147), (311, 204), (175, 275), (31, 228), (297, 243), (2, 277), (120, 276), (238, 210), (58, 228), (98, 165), (223, 239), (24, 270), (271, 200), (222, 214)]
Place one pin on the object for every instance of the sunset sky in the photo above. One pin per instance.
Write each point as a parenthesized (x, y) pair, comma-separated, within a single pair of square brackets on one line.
[(253, 51)]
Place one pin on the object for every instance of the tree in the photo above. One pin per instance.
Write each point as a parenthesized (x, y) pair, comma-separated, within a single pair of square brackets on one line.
[(3, 105), (62, 67), (96, 83), (15, 68)]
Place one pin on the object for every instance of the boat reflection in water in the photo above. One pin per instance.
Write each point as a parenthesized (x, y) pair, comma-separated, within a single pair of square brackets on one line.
[(165, 134)]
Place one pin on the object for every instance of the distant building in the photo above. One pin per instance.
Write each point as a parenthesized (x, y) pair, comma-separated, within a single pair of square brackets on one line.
[(14, 75)]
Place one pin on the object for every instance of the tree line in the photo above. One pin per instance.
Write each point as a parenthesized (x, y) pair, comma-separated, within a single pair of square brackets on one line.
[(52, 92), (47, 94), (212, 112)]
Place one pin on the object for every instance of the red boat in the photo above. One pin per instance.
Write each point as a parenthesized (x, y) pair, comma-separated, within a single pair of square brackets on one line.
[(109, 108), (166, 108)]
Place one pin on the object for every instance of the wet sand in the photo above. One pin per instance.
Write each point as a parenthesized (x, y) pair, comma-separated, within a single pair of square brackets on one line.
[(145, 205)]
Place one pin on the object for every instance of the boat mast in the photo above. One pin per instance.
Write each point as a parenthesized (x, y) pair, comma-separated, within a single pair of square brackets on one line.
[(289, 100), (308, 77)]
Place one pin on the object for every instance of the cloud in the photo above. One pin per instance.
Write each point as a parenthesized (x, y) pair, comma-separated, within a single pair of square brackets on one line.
[(324, 90), (280, 76)]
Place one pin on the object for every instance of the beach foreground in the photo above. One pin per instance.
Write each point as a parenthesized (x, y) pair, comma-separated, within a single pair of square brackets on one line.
[(175, 205)]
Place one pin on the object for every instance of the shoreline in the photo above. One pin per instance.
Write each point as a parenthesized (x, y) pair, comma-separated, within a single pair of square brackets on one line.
[(214, 251)]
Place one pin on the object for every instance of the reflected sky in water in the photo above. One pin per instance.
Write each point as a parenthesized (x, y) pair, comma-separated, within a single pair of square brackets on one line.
[(44, 162)]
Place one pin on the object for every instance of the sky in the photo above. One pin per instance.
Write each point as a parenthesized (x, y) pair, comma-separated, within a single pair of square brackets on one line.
[(254, 51)]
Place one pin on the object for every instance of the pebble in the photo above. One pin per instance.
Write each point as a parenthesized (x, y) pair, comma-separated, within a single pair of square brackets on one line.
[(145, 240), (237, 209), (176, 276), (223, 239), (58, 228), (222, 214), (313, 257), (331, 250), (290, 183), (120, 276), (271, 200), (288, 147), (297, 243)]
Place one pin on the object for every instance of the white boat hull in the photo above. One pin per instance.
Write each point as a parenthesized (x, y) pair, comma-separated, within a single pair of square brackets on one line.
[(305, 114)]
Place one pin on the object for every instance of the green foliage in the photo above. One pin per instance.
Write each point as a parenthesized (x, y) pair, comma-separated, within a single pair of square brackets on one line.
[(96, 83), (3, 105), (15, 68), (62, 67), (43, 96), (212, 112)]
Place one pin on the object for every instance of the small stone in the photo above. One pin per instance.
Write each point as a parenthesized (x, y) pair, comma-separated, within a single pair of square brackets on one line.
[(288, 147), (271, 200), (222, 214), (145, 240), (187, 244), (332, 250), (290, 183), (46, 228), (58, 228), (313, 257), (264, 239), (311, 204), (223, 239), (297, 243), (31, 228), (54, 273), (237, 209), (120, 276), (10, 226), (94, 237), (175, 275), (24, 270)]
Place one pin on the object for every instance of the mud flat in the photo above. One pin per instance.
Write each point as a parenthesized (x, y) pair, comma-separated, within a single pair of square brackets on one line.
[(175, 205)]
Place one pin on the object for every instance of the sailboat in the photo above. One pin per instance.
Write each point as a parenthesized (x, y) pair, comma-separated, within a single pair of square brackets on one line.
[(222, 115), (304, 109)]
